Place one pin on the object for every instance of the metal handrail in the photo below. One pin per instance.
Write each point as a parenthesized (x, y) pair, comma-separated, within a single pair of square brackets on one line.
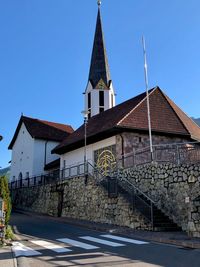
[(96, 170), (150, 206), (131, 184), (137, 189), (134, 192)]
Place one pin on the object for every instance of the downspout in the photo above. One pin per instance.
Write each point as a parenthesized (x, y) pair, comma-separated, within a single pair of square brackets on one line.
[(122, 149), (45, 153)]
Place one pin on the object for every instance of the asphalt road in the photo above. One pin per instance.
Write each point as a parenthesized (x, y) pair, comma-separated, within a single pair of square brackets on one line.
[(44, 242)]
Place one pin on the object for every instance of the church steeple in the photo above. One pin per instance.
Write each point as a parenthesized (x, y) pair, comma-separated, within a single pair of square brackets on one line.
[(99, 94), (99, 69)]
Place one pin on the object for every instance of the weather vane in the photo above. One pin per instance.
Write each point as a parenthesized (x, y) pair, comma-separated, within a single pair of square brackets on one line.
[(99, 2)]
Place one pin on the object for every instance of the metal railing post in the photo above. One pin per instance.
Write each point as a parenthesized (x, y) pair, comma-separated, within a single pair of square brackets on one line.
[(133, 198), (152, 219)]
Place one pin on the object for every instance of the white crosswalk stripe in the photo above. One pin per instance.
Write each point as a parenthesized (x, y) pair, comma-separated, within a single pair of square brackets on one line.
[(21, 250), (50, 246), (128, 240), (77, 243), (102, 241)]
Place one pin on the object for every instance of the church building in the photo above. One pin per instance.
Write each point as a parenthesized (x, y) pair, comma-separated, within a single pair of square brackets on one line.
[(110, 133)]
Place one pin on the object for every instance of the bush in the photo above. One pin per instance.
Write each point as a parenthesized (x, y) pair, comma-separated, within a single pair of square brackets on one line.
[(5, 194), (9, 233)]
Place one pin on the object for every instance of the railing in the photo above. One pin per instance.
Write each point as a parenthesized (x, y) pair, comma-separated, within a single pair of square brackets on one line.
[(35, 180), (140, 201), (50, 178), (97, 173), (112, 182), (173, 153), (73, 171)]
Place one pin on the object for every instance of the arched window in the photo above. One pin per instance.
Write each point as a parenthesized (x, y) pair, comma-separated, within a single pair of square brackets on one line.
[(20, 176)]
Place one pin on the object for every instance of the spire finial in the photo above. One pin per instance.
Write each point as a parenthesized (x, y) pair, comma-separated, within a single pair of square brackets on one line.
[(99, 2)]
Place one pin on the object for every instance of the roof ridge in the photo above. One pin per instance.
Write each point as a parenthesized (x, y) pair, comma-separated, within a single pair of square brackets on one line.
[(46, 122), (150, 92)]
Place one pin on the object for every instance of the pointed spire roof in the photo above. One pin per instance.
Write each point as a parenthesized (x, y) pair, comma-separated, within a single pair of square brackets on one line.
[(99, 69)]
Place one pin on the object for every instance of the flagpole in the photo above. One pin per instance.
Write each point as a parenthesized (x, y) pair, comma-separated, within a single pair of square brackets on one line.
[(147, 94)]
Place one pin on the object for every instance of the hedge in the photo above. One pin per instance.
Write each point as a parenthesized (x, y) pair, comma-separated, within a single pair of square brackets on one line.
[(5, 194)]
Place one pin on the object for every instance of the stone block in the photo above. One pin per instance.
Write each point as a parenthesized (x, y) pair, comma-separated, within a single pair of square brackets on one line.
[(192, 179)]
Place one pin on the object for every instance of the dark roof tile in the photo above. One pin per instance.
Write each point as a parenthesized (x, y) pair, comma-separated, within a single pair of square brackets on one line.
[(41, 129), (166, 118)]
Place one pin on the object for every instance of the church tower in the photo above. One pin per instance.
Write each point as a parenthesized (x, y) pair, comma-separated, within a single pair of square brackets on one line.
[(99, 94)]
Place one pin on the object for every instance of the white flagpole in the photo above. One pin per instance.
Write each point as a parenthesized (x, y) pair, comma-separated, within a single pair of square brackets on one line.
[(147, 92)]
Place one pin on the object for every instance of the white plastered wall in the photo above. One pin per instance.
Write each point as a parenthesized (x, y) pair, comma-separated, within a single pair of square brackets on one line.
[(28, 155), (22, 154), (76, 157), (108, 93), (39, 155)]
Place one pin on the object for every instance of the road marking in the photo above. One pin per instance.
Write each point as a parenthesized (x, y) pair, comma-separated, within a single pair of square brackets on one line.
[(119, 238), (77, 243), (51, 246), (102, 241), (21, 250)]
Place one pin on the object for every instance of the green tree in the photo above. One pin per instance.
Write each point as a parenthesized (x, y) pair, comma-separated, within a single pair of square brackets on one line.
[(5, 194)]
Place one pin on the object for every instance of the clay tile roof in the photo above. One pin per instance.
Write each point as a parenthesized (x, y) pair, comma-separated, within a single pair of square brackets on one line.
[(163, 117), (41, 129), (189, 124), (166, 118)]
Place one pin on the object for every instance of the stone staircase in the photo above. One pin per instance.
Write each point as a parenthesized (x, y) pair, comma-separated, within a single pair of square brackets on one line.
[(140, 202)]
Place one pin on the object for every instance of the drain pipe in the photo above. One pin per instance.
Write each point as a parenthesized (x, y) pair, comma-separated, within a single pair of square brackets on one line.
[(45, 153), (122, 149)]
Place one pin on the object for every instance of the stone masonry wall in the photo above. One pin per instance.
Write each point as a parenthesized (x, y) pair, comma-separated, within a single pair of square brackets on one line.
[(175, 189), (137, 141), (87, 202), (41, 199)]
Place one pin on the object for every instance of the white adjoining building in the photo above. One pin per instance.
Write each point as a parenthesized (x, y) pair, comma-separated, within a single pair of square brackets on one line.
[(31, 147)]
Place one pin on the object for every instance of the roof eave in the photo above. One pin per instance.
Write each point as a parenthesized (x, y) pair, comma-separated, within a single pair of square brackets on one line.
[(90, 140), (196, 138), (153, 131)]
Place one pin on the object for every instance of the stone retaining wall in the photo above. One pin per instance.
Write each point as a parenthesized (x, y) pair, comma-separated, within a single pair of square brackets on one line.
[(89, 202), (175, 189)]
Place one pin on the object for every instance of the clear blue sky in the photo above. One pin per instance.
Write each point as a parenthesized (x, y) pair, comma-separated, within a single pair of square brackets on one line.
[(45, 50)]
